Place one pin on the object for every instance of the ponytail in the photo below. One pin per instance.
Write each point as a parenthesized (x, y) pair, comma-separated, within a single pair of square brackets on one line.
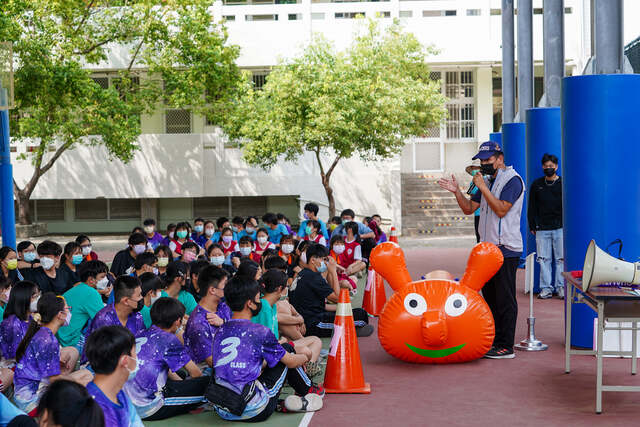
[(49, 305), (68, 404)]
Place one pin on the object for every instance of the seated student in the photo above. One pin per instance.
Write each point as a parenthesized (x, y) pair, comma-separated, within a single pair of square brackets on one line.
[(181, 237), (333, 224), (171, 234), (313, 233), (250, 227), (193, 286), (311, 214), (262, 241), (274, 228), (151, 286), (85, 302), (190, 252), (27, 255), (274, 286), (282, 219), (351, 258), (290, 322), (86, 248), (175, 282), (9, 265), (237, 226), (215, 254), (153, 237), (374, 224), (69, 262), (124, 259), (5, 292), (67, 403), (137, 229), (249, 270), (40, 360), (157, 391), (227, 243), (246, 248), (205, 240), (337, 249), (198, 229), (125, 311), (47, 277), (312, 290), (221, 223), (348, 215), (112, 355), (248, 355), (144, 263), (164, 256)]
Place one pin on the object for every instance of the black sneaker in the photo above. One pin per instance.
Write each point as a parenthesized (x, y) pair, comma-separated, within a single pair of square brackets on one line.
[(500, 353), (364, 331)]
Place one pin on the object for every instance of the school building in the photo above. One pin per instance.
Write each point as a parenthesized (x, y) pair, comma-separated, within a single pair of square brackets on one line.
[(184, 168)]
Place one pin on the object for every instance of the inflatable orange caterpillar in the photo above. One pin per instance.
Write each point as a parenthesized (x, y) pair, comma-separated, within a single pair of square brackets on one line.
[(436, 320)]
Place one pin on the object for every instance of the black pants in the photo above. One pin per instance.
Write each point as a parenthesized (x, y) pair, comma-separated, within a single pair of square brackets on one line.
[(296, 378), (500, 295), (367, 245), (324, 328), (191, 387), (476, 223)]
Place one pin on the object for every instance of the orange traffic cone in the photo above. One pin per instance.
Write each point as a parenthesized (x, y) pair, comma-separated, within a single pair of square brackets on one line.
[(374, 294), (393, 235), (344, 368)]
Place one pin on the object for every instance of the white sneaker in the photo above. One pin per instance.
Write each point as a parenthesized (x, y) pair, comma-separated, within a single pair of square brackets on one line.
[(310, 403), (545, 294)]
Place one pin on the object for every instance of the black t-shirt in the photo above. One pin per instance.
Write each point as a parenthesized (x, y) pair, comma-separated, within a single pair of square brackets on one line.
[(545, 205), (46, 283), (122, 262), (70, 277), (309, 296)]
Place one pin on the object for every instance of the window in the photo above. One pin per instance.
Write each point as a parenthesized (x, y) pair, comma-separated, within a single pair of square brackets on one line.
[(435, 13), (246, 206), (177, 121), (92, 209), (459, 88), (317, 16), (295, 17), (348, 15), (385, 14), (495, 12), (537, 11), (48, 210), (406, 14), (124, 209), (229, 18), (473, 12), (103, 82), (211, 207), (259, 79), (568, 10), (261, 17)]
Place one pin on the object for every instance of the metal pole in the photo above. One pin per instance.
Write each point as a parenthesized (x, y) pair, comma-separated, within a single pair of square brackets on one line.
[(553, 34), (609, 55), (6, 178), (525, 58), (508, 66)]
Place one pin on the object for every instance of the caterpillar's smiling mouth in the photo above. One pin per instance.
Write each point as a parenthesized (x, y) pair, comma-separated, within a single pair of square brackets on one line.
[(435, 353)]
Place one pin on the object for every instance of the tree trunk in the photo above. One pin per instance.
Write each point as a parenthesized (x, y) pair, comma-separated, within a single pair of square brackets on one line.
[(329, 191), (24, 214)]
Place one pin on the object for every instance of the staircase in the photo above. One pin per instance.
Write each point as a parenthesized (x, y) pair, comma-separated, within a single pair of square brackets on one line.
[(428, 210)]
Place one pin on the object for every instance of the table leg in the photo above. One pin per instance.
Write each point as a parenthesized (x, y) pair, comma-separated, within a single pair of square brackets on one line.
[(634, 347), (567, 329), (599, 357)]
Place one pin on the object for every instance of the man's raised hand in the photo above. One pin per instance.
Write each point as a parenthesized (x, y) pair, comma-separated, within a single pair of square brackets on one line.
[(449, 184)]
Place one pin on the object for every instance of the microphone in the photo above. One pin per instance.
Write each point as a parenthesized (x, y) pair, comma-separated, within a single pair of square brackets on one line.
[(472, 188)]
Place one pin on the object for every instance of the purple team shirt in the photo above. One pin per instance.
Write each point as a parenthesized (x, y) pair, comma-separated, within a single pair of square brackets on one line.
[(158, 352), (198, 334), (155, 241), (108, 317), (121, 414), (40, 361), (12, 330), (239, 348)]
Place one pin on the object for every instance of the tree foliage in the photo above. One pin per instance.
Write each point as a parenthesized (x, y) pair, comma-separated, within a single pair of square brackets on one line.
[(365, 101)]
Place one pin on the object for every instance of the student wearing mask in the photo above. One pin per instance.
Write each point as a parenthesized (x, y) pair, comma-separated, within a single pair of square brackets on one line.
[(351, 258), (207, 317), (198, 229), (237, 226), (27, 255), (227, 243), (175, 281), (337, 250), (217, 258), (282, 219), (190, 252), (286, 252), (311, 214), (86, 247), (144, 263), (250, 227), (193, 286), (9, 264), (124, 260), (262, 241), (313, 233), (181, 237), (209, 230), (153, 237), (69, 262), (221, 223), (274, 228), (366, 235), (85, 302), (171, 234), (151, 286), (48, 277), (40, 360), (164, 256), (157, 391), (112, 354), (246, 249)]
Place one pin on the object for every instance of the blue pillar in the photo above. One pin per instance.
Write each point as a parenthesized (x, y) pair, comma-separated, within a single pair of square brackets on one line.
[(6, 184), (601, 194), (514, 146), (496, 137), (544, 135)]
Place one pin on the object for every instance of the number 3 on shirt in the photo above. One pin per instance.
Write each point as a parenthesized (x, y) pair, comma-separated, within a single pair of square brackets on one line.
[(230, 344)]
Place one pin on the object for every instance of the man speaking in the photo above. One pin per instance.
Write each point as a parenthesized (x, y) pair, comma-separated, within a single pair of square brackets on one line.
[(500, 196)]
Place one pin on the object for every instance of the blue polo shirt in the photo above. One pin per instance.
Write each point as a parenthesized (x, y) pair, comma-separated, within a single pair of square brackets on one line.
[(276, 234)]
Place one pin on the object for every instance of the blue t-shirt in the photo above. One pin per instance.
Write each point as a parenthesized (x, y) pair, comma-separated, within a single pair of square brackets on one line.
[(362, 229), (121, 414), (323, 229), (276, 234), (244, 233)]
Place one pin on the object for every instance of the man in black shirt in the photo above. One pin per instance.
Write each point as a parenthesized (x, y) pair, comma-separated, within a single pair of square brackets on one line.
[(312, 290), (124, 259), (545, 222), (48, 277)]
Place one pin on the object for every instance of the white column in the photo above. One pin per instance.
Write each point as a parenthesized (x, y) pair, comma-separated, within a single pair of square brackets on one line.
[(484, 103)]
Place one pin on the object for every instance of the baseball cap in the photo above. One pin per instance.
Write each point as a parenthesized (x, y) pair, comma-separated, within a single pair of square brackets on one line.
[(487, 149)]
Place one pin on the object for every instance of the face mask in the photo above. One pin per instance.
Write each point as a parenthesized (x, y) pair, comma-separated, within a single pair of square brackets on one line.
[(155, 298), (163, 261), (76, 259), (208, 232), (303, 257), (338, 249), (308, 231), (345, 221), (198, 228), (217, 260), (487, 169), (287, 249), (149, 229), (262, 240), (31, 256), (246, 251), (234, 229), (47, 263), (257, 309), (67, 319), (12, 264), (549, 172), (132, 374), (102, 283), (305, 216), (250, 230), (322, 268), (189, 256), (171, 234), (139, 306), (227, 239), (4, 297), (181, 234), (33, 307), (138, 249)]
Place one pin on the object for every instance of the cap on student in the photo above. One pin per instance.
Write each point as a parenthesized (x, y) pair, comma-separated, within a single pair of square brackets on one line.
[(487, 149)]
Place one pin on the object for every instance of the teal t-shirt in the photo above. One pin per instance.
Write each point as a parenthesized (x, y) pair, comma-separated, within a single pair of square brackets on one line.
[(1, 312), (186, 299), (146, 316), (268, 317), (85, 302)]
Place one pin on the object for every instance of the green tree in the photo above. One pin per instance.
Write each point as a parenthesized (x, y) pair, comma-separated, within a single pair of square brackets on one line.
[(365, 101), (176, 55)]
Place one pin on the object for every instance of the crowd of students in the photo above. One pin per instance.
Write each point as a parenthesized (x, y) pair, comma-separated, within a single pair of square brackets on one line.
[(217, 315)]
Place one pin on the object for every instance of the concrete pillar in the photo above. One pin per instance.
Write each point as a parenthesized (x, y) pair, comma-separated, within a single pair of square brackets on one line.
[(525, 57), (553, 36), (508, 65)]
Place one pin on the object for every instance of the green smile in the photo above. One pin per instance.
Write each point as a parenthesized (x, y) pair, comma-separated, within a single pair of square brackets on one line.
[(435, 353)]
